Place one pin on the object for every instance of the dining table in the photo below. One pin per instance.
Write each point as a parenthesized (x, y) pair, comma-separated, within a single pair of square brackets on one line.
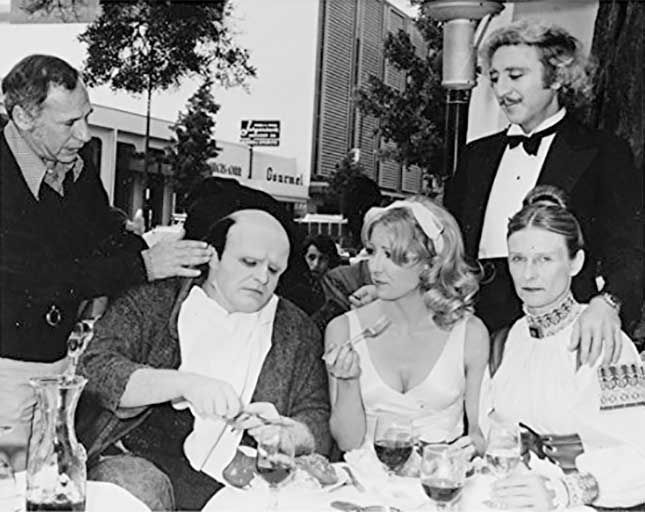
[(396, 494), (100, 497)]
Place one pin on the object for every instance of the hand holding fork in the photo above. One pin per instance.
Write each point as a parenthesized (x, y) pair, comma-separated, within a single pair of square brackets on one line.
[(342, 360)]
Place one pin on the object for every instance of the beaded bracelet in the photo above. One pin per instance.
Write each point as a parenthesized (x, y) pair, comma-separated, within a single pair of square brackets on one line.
[(582, 488)]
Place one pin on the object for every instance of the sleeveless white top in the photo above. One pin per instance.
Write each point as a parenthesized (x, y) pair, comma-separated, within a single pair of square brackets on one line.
[(435, 405)]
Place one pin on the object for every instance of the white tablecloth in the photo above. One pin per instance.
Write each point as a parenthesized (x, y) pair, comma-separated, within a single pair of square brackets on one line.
[(405, 494), (101, 497)]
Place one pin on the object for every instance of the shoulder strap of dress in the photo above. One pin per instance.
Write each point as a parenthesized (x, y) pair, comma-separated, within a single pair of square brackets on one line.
[(354, 323), (498, 340)]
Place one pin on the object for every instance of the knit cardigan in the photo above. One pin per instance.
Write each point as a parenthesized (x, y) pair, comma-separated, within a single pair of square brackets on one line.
[(139, 330)]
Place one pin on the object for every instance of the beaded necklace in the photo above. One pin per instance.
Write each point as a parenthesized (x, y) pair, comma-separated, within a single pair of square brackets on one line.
[(546, 324)]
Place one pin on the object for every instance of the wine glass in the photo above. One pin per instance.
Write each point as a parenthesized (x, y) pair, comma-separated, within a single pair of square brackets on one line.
[(443, 472), (504, 448), (393, 441), (503, 453), (275, 461), (9, 495)]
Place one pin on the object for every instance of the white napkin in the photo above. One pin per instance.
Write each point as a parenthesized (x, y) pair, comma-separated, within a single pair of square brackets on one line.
[(228, 347), (398, 491)]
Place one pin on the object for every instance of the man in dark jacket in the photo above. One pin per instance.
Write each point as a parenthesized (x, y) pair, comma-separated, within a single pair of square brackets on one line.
[(537, 72), (60, 243), (221, 346)]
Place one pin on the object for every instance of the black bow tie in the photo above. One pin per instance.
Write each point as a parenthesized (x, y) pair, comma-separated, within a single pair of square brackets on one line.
[(531, 144)]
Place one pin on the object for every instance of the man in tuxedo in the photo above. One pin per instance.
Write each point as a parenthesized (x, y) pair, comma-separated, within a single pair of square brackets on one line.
[(538, 74)]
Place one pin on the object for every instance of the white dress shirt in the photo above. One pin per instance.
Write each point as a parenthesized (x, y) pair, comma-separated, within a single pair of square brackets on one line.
[(517, 174)]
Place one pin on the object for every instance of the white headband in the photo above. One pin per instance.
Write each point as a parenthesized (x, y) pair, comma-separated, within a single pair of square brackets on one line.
[(424, 217)]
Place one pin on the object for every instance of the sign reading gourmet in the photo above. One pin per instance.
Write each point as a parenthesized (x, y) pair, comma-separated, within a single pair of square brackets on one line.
[(260, 133)]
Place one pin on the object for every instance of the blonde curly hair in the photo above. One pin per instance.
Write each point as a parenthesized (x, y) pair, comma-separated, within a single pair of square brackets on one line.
[(559, 52), (449, 283)]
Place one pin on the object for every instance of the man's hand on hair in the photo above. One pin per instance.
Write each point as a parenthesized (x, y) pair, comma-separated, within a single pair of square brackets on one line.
[(597, 330), (176, 258)]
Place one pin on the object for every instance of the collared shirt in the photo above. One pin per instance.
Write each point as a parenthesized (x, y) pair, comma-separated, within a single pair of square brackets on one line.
[(517, 174), (34, 170)]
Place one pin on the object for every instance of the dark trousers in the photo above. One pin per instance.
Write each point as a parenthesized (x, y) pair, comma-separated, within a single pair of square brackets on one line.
[(497, 303)]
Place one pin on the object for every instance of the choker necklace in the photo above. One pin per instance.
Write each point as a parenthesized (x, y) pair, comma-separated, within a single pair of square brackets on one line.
[(547, 324)]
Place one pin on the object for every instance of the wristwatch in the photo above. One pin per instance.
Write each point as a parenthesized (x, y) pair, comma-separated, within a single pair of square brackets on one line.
[(612, 300)]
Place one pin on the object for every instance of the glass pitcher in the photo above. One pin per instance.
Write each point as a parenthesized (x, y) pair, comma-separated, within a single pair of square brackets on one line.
[(56, 473)]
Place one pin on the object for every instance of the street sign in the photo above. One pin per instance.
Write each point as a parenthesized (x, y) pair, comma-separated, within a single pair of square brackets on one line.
[(260, 133)]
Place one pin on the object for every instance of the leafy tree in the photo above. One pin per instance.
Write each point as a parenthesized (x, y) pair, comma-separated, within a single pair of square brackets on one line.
[(193, 142), (147, 45), (412, 119), (353, 193), (346, 170)]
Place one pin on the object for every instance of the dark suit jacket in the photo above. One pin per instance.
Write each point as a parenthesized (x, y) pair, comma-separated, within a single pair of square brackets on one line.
[(596, 169)]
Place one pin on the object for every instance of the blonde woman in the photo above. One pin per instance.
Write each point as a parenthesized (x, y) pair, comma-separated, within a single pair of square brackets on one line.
[(428, 364)]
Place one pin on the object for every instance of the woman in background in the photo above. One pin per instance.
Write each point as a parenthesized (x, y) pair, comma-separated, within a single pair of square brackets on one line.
[(320, 254)]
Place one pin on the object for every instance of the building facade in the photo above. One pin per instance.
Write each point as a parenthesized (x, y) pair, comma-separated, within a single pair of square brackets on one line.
[(351, 37)]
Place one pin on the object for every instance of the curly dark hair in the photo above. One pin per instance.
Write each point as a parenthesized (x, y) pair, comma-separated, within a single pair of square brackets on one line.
[(325, 245)]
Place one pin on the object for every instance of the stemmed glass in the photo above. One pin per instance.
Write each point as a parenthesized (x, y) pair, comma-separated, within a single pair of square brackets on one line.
[(275, 460), (503, 453), (504, 448), (393, 441), (443, 472), (9, 495)]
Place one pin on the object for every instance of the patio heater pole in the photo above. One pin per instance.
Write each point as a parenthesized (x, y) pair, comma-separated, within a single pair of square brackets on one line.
[(460, 19)]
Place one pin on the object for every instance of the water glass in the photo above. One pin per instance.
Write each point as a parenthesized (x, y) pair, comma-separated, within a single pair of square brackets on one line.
[(443, 473), (393, 441)]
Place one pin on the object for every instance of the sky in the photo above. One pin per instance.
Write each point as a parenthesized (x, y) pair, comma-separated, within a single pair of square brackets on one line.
[(18, 41)]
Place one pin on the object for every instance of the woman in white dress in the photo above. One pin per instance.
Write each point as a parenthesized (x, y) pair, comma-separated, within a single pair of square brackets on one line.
[(593, 417), (430, 361)]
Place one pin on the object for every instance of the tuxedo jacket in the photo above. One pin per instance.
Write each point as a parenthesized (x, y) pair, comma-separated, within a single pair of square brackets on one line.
[(596, 170)]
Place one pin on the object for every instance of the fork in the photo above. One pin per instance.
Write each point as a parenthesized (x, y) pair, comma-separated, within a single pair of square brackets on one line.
[(381, 324), (372, 331)]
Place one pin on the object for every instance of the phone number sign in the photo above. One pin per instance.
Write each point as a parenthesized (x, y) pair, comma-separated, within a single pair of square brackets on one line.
[(260, 133)]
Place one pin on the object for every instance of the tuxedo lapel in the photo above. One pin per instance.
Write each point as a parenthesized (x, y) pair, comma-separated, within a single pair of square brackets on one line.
[(570, 155), (483, 167)]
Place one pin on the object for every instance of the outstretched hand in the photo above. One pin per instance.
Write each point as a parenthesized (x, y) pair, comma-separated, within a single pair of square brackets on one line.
[(176, 258), (597, 327)]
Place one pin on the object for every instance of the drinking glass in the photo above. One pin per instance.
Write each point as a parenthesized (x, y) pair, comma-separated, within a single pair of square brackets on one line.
[(393, 441), (503, 452), (275, 460), (504, 448), (10, 499), (443, 472)]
